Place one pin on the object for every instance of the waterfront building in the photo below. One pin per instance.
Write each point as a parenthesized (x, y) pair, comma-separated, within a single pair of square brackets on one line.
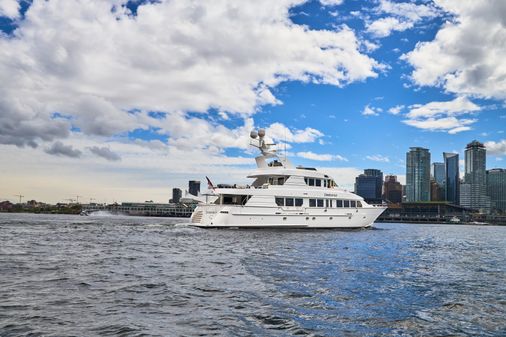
[(496, 188), (437, 173), (475, 176), (369, 185), (392, 190), (176, 195), (437, 192), (452, 179), (417, 174), (194, 187)]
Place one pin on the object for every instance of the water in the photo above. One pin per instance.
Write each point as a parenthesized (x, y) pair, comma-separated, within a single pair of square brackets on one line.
[(129, 276)]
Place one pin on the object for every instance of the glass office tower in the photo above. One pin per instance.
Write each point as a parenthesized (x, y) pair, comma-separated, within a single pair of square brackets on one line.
[(452, 183), (417, 174)]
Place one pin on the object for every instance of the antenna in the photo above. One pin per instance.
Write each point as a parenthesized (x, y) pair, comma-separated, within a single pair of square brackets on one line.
[(20, 197)]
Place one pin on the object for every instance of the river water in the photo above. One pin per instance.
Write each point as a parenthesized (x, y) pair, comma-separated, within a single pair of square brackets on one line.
[(131, 276)]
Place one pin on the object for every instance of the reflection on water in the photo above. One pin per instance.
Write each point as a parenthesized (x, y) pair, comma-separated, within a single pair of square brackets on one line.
[(71, 275)]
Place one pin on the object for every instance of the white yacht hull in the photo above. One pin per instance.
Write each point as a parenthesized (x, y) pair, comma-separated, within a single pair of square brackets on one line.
[(276, 217)]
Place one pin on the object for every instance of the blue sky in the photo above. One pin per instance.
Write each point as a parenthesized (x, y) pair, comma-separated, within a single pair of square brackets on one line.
[(137, 97)]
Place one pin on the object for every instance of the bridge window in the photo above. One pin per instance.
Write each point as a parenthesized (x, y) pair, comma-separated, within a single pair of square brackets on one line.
[(318, 182), (339, 203), (346, 203), (230, 199), (359, 204), (352, 203)]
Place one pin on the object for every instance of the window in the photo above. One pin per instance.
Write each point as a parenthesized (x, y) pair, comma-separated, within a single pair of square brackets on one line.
[(319, 202), (346, 203), (325, 183), (281, 181), (331, 203), (327, 203), (306, 181), (352, 203), (298, 202), (289, 202), (280, 201), (359, 204), (311, 182), (339, 203), (312, 202), (318, 182)]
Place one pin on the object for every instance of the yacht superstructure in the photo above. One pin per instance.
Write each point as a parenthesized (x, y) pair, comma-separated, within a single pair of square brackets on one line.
[(284, 196)]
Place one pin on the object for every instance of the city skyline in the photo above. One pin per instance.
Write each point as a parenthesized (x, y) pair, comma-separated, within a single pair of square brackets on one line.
[(94, 107)]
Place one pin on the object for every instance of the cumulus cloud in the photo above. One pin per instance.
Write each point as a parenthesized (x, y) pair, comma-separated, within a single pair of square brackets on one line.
[(496, 148), (105, 68), (442, 116), (370, 111), (379, 158), (467, 54), (279, 131), (331, 2), (105, 153), (9, 8), (60, 149), (400, 16), (395, 110), (320, 156)]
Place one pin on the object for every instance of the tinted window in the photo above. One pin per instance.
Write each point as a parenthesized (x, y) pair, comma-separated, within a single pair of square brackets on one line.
[(298, 202), (289, 202), (312, 202), (352, 203), (311, 182), (359, 204), (318, 182), (339, 203), (325, 183), (346, 203), (327, 203), (280, 201), (319, 202)]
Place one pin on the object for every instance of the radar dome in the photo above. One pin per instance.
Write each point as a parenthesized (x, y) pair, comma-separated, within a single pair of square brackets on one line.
[(261, 132), (253, 134)]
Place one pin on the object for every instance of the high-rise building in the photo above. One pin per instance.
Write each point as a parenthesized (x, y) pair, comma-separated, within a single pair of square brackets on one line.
[(392, 190), (437, 192), (417, 174), (176, 195), (465, 195), (437, 173), (496, 188), (369, 185), (452, 179), (194, 187), (475, 176)]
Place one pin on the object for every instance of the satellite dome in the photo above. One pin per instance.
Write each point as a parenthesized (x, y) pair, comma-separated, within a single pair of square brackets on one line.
[(253, 134), (261, 132)]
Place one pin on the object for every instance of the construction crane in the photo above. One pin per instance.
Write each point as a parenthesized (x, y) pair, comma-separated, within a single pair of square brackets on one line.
[(20, 197)]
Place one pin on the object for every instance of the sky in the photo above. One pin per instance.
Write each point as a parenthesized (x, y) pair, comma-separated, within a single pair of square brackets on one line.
[(115, 100)]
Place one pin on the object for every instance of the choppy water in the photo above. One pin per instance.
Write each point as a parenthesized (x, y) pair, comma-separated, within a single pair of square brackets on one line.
[(128, 276)]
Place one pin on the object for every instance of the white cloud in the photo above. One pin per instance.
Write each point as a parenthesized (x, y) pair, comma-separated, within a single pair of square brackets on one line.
[(280, 132), (9, 8), (370, 111), (379, 158), (320, 157), (331, 2), (442, 116), (395, 110), (496, 148), (94, 62), (466, 56), (384, 26), (402, 16)]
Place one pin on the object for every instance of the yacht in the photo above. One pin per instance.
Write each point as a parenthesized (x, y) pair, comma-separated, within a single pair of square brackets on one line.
[(283, 196)]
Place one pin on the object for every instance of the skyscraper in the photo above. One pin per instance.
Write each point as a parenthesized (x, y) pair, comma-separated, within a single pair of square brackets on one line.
[(475, 176), (392, 189), (452, 179), (194, 187), (176, 195), (369, 185), (417, 174), (437, 173), (496, 188)]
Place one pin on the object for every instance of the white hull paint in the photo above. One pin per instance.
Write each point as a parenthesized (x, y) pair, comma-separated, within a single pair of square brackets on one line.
[(264, 217)]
